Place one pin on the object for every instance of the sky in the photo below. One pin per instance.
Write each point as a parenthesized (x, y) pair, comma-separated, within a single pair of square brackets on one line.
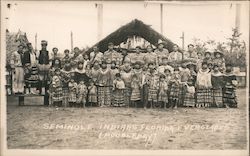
[(54, 20)]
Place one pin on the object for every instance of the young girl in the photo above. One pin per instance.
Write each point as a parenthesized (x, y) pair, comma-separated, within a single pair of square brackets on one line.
[(126, 76), (203, 86), (103, 81), (56, 93), (151, 80), (229, 91), (94, 72), (81, 94), (92, 93), (199, 61), (72, 92), (219, 60), (189, 97), (118, 91), (66, 74), (217, 84), (174, 88), (113, 71), (163, 91), (185, 76), (80, 73), (135, 90)]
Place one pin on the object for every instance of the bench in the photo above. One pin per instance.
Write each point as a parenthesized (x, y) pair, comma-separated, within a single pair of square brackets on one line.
[(22, 96)]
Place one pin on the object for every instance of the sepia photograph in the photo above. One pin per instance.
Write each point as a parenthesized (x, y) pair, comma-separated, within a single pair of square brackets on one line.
[(125, 78)]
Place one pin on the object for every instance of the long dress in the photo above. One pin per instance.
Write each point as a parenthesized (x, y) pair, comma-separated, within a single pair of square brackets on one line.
[(81, 93), (203, 86), (56, 93), (118, 93), (92, 94), (136, 91), (229, 91), (65, 80), (72, 91), (189, 98), (163, 91), (103, 81), (127, 78), (174, 88), (152, 80), (217, 83)]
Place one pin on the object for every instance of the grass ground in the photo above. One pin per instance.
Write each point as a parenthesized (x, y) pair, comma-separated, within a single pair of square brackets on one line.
[(39, 127)]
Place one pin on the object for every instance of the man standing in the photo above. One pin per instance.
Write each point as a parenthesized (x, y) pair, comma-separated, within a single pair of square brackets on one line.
[(111, 55), (161, 52), (191, 53), (18, 71), (96, 55), (43, 60), (30, 64)]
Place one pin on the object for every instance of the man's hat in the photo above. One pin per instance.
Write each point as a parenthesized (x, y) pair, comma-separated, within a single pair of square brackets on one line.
[(190, 45), (110, 43), (218, 52), (208, 52), (43, 42)]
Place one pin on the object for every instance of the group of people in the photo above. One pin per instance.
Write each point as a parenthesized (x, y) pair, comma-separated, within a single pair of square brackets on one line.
[(157, 78)]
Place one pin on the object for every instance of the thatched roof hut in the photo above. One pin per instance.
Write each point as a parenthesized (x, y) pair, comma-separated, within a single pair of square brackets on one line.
[(12, 41), (137, 28)]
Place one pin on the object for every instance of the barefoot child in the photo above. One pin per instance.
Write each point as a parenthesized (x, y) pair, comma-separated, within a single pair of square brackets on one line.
[(152, 80), (118, 91), (163, 91), (135, 90), (55, 91), (174, 93), (92, 93), (81, 94), (189, 97), (72, 92)]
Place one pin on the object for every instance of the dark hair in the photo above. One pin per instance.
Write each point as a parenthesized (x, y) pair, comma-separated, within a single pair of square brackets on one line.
[(53, 62), (66, 50), (54, 48), (117, 75), (162, 76), (204, 63), (190, 45), (138, 47), (150, 63)]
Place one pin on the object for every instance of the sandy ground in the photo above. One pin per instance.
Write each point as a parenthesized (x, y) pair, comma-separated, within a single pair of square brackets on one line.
[(39, 127)]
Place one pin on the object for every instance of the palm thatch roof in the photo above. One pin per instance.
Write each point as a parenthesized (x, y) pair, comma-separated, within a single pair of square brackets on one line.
[(137, 28), (13, 40)]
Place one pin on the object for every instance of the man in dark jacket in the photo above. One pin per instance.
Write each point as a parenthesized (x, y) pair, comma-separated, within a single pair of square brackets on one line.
[(43, 61)]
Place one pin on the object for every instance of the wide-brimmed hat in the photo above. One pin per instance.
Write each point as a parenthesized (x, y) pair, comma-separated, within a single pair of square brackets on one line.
[(218, 52), (207, 52)]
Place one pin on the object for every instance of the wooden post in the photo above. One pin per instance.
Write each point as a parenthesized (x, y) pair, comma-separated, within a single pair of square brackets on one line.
[(161, 5), (71, 38), (46, 99), (99, 21), (21, 100), (36, 42), (237, 17)]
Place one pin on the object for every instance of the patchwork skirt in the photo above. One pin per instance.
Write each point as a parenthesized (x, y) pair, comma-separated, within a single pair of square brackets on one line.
[(72, 96), (204, 97), (104, 96), (92, 98), (118, 98), (135, 94), (189, 99), (217, 97), (229, 96), (57, 95), (152, 95), (163, 97)]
